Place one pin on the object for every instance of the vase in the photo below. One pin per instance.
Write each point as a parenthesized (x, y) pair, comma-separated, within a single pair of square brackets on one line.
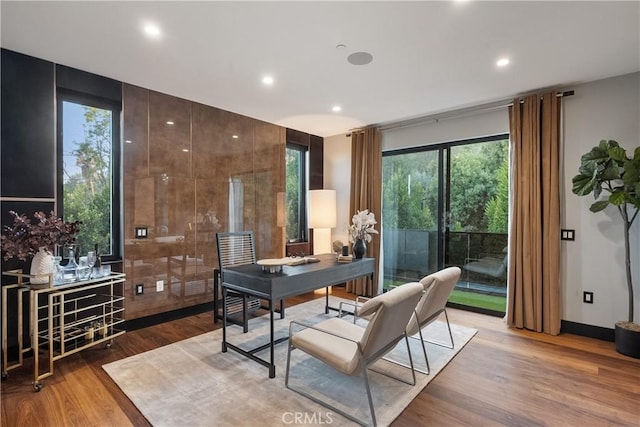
[(359, 248), (41, 267)]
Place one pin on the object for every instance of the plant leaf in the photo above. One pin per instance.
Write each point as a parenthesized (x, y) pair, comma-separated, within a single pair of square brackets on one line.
[(588, 168), (617, 198), (597, 154), (631, 173), (597, 189), (610, 172), (618, 154), (599, 205), (582, 184)]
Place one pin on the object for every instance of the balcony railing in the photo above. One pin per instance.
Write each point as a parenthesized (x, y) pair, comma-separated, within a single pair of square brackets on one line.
[(412, 254)]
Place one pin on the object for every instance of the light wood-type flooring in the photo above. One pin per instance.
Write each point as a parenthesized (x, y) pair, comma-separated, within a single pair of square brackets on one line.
[(503, 377)]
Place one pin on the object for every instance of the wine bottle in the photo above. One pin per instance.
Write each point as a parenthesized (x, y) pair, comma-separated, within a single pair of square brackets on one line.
[(98, 263)]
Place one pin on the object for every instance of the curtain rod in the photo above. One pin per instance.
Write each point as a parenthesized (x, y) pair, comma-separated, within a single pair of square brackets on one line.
[(469, 111)]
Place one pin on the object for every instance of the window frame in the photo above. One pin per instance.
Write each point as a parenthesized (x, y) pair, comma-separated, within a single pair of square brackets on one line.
[(66, 95), (303, 188)]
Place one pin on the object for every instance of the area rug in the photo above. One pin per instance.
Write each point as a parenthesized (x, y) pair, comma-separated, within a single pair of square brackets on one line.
[(192, 383)]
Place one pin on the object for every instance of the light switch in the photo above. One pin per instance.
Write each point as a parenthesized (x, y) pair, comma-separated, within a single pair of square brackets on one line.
[(141, 232)]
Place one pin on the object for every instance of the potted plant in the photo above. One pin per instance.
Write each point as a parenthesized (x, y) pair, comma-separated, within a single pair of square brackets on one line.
[(38, 240), (608, 171)]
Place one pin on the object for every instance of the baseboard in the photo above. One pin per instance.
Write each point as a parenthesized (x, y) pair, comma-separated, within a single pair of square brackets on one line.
[(167, 316), (476, 309), (598, 332)]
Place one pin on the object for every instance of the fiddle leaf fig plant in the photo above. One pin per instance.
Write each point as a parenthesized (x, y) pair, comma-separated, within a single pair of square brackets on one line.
[(614, 179)]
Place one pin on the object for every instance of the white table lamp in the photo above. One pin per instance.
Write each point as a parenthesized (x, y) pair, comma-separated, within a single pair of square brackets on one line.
[(322, 218)]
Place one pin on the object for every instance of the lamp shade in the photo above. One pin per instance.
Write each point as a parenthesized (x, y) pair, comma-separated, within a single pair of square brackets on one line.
[(322, 209)]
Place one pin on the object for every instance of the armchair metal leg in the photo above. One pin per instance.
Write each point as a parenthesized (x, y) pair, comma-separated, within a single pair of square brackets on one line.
[(327, 405), (365, 378), (449, 346), (409, 366), (424, 349)]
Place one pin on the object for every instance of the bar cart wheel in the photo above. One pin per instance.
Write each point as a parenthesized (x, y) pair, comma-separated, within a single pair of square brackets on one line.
[(37, 386)]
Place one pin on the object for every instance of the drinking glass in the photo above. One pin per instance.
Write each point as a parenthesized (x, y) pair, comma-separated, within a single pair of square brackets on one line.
[(91, 259), (83, 270)]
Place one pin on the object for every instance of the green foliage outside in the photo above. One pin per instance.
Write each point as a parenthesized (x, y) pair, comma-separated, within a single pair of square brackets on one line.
[(474, 182), (497, 209), (479, 188), (293, 176), (409, 186), (87, 188)]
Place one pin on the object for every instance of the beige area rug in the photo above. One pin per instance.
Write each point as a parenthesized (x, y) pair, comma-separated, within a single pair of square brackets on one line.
[(192, 383)]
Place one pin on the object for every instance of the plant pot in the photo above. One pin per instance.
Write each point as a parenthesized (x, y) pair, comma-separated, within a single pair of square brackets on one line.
[(628, 339)]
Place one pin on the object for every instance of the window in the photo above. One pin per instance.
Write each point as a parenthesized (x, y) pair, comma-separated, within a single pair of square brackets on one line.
[(447, 205), (88, 170), (296, 192)]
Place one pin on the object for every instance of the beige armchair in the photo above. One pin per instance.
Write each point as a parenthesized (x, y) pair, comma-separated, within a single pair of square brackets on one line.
[(437, 289), (350, 348)]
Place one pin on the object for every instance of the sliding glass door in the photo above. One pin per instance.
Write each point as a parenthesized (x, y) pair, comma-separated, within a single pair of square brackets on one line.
[(447, 205)]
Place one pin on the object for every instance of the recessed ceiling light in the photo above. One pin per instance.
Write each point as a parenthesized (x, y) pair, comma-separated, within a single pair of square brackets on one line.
[(502, 62), (169, 122), (186, 150), (340, 46), (234, 136), (360, 58), (128, 141), (152, 30), (336, 108), (267, 80)]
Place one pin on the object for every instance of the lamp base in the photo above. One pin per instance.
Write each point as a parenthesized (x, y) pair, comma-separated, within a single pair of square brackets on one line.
[(321, 241)]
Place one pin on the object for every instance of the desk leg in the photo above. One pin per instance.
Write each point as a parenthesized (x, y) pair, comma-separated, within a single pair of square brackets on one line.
[(224, 320), (272, 366), (216, 281), (326, 300)]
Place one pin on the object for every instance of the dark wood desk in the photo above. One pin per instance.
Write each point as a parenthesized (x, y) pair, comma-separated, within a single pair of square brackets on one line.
[(293, 280)]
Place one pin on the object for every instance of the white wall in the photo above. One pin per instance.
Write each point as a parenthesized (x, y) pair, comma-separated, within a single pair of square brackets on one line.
[(605, 109), (337, 176), (453, 129), (594, 261)]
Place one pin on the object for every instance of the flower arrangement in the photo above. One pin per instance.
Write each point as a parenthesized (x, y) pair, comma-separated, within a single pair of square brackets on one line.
[(362, 226), (24, 239)]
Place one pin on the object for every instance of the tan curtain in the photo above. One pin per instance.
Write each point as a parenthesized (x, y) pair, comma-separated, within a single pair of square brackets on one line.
[(366, 193), (534, 238)]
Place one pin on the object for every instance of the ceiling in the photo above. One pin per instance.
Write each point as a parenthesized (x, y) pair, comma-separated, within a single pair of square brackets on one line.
[(428, 57)]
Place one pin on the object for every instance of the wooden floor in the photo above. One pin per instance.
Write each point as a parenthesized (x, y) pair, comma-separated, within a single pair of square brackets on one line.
[(502, 377)]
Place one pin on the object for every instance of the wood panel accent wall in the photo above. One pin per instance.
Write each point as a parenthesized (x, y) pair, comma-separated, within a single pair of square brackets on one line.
[(178, 181), (175, 177)]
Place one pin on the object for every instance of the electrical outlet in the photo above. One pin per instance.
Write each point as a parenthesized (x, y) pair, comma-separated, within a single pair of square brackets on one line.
[(139, 289), (141, 232), (567, 234), (587, 297), (159, 285)]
